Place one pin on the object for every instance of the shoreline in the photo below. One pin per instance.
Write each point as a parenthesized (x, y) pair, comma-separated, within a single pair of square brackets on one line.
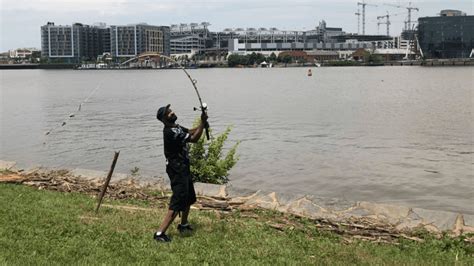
[(395, 218), (455, 62)]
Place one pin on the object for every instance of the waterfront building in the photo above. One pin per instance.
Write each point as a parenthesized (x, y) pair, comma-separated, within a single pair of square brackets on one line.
[(22, 52), (135, 39), (189, 38), (57, 41), (79, 42), (327, 34), (320, 38), (93, 40), (195, 39), (447, 36), (451, 13), (74, 43)]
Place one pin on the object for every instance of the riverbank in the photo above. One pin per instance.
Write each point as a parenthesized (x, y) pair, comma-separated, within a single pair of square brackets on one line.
[(46, 227), (428, 63), (390, 222), (37, 66)]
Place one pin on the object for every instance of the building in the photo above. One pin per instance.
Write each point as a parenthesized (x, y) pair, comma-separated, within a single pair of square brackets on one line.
[(22, 52), (79, 42), (451, 13), (321, 55), (132, 40), (194, 38), (74, 43), (321, 38), (93, 40), (447, 36), (58, 41), (327, 34), (190, 38)]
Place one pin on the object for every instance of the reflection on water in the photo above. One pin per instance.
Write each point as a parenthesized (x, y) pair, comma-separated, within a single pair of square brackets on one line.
[(387, 134)]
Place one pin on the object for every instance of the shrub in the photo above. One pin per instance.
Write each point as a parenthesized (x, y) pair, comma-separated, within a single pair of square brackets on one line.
[(134, 171), (208, 164)]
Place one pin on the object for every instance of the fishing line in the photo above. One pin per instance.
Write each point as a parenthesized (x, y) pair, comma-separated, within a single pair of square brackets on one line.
[(79, 108)]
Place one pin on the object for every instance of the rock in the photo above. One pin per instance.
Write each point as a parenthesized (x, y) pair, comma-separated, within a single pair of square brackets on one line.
[(243, 199), (333, 204), (285, 199), (440, 219), (210, 190), (305, 207), (355, 212), (408, 225), (390, 213), (266, 201), (90, 175), (460, 226), (235, 192), (432, 229), (469, 220)]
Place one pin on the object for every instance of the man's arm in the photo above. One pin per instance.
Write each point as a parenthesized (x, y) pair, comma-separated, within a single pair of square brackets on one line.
[(197, 131)]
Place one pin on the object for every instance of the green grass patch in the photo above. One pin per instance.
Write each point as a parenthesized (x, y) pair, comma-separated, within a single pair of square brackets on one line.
[(45, 227)]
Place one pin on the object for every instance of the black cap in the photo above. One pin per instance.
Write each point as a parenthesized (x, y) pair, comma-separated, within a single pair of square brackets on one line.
[(162, 112)]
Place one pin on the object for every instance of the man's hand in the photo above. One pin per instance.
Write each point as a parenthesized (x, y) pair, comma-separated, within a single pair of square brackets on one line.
[(197, 132)]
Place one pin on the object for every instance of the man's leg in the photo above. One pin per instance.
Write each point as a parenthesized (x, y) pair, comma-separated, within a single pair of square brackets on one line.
[(184, 215), (191, 198), (169, 218), (175, 200)]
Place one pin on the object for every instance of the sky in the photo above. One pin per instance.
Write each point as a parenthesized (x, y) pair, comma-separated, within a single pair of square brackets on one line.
[(21, 19)]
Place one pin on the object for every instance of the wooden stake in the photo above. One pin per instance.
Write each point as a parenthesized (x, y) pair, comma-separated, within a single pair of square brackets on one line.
[(107, 180)]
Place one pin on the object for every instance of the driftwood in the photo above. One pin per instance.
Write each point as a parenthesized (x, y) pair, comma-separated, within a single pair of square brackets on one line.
[(215, 204), (107, 180)]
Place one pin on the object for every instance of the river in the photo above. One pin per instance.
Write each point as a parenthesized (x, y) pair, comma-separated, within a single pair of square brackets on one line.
[(399, 135)]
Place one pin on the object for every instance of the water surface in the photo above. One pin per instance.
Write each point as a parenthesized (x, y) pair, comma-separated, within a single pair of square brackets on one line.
[(387, 134)]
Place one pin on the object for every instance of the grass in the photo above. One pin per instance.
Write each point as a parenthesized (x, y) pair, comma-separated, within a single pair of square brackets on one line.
[(45, 227)]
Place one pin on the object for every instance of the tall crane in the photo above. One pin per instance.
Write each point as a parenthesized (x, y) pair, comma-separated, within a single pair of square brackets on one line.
[(409, 8), (363, 4), (358, 20), (387, 21)]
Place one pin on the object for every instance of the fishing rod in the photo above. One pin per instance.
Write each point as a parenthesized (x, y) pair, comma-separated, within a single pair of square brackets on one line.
[(203, 106)]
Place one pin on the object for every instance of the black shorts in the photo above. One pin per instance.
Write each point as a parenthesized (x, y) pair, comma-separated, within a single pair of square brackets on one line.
[(182, 187)]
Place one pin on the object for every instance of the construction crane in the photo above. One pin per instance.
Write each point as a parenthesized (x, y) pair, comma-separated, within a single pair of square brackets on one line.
[(358, 20), (363, 4), (387, 22), (409, 8)]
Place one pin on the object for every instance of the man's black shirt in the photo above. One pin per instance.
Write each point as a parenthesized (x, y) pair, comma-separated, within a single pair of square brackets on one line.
[(176, 145)]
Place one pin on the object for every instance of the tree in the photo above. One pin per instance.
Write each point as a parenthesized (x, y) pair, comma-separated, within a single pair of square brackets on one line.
[(286, 59), (272, 57), (252, 58), (211, 166), (260, 58), (233, 60)]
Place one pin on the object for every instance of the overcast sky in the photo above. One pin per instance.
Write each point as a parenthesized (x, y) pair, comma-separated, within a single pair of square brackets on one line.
[(21, 19)]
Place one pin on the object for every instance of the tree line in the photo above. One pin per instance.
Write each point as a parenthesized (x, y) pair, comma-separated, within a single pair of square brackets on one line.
[(256, 58)]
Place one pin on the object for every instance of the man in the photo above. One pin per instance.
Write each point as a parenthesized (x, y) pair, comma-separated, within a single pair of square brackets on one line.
[(176, 140)]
